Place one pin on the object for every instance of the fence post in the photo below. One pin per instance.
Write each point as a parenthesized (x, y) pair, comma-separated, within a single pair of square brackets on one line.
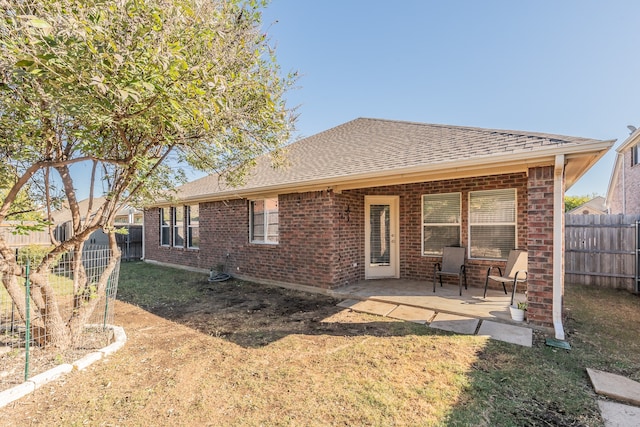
[(27, 333), (13, 307)]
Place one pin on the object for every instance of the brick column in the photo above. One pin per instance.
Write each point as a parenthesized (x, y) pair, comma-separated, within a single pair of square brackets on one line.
[(540, 246)]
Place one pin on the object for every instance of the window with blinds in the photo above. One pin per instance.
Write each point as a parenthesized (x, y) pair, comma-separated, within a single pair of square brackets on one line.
[(264, 221), (492, 223), (440, 222), (380, 235)]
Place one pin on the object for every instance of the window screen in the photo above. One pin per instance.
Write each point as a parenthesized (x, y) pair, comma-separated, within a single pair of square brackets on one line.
[(193, 227), (492, 223), (178, 227), (440, 222), (164, 226)]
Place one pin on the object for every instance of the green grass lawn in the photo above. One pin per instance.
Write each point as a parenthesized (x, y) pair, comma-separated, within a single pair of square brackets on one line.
[(411, 376)]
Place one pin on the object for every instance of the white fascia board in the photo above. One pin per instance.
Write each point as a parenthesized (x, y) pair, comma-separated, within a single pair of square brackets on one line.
[(631, 140)]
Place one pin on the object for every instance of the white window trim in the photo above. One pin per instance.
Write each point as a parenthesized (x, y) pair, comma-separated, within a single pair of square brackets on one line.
[(266, 221), (163, 226), (515, 223), (190, 226), (174, 210), (422, 226)]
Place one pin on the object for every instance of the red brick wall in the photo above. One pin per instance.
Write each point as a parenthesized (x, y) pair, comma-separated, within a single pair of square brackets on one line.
[(540, 246), (321, 240), (412, 264), (305, 253), (349, 238), (631, 193)]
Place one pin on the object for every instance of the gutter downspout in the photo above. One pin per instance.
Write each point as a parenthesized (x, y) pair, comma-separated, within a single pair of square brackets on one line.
[(558, 245), (142, 258)]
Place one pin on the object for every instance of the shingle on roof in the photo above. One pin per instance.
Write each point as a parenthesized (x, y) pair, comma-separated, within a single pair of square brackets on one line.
[(364, 146)]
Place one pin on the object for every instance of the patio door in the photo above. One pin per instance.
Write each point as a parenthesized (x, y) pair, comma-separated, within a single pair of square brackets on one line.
[(381, 237)]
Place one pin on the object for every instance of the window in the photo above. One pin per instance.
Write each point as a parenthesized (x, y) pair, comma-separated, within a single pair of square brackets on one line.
[(440, 222), (193, 226), (635, 159), (264, 221), (492, 223), (177, 221), (164, 226), (121, 219)]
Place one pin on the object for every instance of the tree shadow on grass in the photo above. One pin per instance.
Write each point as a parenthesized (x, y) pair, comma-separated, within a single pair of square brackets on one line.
[(505, 385), (253, 315)]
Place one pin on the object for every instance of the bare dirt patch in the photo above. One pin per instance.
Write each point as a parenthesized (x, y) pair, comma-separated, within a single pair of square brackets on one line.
[(253, 315), (239, 354)]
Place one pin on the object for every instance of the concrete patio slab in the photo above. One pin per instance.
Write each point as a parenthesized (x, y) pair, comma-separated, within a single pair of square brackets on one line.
[(412, 314), (455, 323), (508, 333), (446, 299), (615, 386), (374, 307), (619, 415)]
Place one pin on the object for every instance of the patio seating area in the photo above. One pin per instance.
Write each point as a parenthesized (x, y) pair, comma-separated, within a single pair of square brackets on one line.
[(446, 299)]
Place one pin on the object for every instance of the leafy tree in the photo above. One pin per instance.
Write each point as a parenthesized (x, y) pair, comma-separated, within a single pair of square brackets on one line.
[(125, 86), (572, 202)]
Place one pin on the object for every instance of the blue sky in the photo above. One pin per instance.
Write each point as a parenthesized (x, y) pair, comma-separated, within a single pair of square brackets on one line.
[(565, 67)]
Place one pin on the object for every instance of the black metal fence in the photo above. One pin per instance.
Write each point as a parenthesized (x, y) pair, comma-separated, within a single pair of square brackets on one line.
[(24, 348)]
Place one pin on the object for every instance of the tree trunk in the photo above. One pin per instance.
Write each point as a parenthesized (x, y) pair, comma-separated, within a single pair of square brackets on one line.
[(81, 315), (56, 333)]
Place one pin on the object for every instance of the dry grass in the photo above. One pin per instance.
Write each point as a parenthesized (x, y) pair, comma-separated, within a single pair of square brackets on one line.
[(241, 354)]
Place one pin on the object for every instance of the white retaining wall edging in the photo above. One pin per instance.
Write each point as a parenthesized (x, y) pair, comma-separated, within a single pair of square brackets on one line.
[(35, 382)]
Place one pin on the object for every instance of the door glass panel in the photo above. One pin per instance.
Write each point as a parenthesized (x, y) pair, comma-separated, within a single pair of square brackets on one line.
[(380, 237)]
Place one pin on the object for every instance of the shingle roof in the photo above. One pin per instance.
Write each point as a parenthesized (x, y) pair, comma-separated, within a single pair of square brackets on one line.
[(63, 214), (365, 147)]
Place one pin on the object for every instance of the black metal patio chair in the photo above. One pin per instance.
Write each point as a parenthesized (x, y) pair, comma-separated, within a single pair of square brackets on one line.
[(452, 265)]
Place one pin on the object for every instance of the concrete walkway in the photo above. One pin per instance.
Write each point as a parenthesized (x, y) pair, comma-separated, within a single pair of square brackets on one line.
[(621, 389)]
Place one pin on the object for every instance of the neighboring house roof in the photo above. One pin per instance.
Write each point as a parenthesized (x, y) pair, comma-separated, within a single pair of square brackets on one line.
[(63, 215), (370, 152), (594, 206), (632, 140)]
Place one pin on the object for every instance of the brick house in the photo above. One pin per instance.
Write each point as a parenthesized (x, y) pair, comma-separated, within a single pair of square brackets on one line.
[(380, 199), (623, 194), (595, 206)]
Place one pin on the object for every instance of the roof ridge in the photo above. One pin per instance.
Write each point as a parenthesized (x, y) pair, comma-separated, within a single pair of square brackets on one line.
[(553, 136)]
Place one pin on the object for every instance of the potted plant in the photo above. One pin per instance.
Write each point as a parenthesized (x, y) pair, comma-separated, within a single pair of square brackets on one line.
[(517, 311)]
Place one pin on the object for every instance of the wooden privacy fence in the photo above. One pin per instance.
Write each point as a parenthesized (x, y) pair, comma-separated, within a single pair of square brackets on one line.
[(602, 250), (130, 244), (19, 240)]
